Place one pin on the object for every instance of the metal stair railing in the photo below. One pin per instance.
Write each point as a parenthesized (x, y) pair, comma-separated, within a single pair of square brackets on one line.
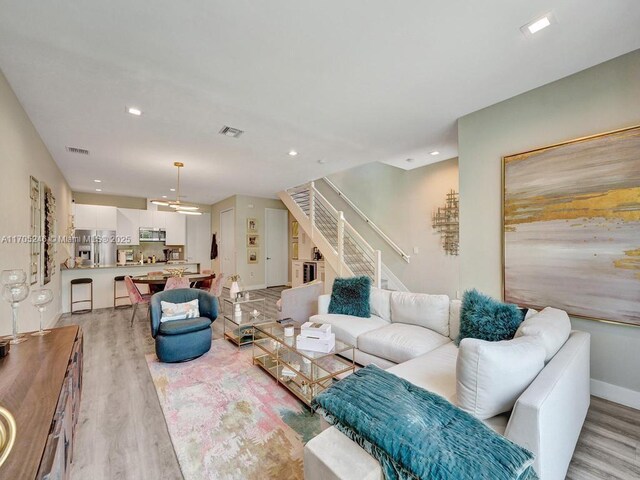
[(354, 255)]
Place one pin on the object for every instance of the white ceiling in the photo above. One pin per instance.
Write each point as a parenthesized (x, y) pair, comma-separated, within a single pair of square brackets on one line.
[(348, 82)]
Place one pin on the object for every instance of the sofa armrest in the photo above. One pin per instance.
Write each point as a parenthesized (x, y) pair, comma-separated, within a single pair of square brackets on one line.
[(323, 304), (549, 415)]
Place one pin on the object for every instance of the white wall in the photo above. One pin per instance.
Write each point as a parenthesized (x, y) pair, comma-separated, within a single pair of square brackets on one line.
[(603, 98), (22, 153), (252, 275), (401, 203), (198, 247)]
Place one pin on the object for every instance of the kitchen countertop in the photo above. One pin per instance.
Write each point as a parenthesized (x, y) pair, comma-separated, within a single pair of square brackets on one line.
[(129, 265)]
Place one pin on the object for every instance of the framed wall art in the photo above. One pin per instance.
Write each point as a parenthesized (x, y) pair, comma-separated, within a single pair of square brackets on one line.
[(35, 230), (252, 225), (253, 240), (571, 227), (252, 255)]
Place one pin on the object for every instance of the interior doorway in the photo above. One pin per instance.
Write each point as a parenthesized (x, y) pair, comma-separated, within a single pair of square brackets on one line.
[(276, 247), (227, 242)]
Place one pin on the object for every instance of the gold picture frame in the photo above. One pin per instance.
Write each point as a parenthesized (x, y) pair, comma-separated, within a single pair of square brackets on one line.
[(570, 224), (252, 255), (252, 225), (253, 240)]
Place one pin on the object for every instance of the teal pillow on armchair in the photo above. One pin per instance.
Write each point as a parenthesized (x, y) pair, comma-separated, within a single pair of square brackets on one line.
[(350, 296)]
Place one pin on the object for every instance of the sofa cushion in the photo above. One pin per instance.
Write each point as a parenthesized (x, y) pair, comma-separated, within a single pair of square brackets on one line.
[(429, 311), (400, 342), (434, 371), (551, 327), (187, 325), (350, 296), (348, 328), (484, 318), (492, 375), (454, 319), (380, 303)]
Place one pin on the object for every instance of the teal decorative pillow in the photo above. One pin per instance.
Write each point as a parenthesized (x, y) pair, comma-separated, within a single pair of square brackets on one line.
[(484, 318), (350, 296)]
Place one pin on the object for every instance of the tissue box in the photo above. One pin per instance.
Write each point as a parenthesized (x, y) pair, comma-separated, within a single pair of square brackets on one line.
[(323, 345), (317, 330)]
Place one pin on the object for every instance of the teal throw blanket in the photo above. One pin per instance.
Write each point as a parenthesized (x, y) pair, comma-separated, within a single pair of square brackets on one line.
[(416, 434)]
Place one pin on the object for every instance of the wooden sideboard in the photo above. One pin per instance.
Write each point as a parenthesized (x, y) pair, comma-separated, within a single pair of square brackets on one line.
[(40, 384)]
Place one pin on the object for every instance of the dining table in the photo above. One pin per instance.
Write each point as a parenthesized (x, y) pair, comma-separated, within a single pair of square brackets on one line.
[(157, 281)]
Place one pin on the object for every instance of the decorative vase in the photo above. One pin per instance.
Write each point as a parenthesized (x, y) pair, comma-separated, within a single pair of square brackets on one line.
[(233, 291), (14, 294)]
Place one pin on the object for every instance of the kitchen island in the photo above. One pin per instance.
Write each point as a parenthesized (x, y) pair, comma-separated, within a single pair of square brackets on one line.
[(103, 276)]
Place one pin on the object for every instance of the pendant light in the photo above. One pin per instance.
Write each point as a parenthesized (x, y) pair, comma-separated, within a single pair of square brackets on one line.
[(177, 205)]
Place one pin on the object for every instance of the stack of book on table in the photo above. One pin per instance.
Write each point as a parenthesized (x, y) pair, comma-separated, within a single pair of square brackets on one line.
[(316, 337)]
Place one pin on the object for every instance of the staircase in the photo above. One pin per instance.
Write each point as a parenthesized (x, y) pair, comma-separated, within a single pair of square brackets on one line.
[(343, 247)]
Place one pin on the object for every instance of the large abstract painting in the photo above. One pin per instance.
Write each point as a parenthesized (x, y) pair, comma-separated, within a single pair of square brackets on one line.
[(572, 227)]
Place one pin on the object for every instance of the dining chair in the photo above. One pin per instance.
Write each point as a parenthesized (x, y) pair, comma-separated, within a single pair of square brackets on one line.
[(217, 285), (176, 282), (135, 296), (203, 284)]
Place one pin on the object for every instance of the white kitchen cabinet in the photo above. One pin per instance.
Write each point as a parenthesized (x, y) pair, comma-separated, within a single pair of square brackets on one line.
[(129, 225), (160, 219), (321, 275), (296, 273), (84, 217), (146, 219), (95, 217), (106, 217), (176, 228)]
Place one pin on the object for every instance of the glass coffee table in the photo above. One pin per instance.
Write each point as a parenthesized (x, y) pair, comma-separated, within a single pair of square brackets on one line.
[(304, 373)]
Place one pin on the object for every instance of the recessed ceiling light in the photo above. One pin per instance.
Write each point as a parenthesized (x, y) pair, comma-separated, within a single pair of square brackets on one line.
[(293, 153), (538, 24), (434, 153), (322, 160), (98, 189), (164, 196), (97, 181), (134, 111), (172, 189)]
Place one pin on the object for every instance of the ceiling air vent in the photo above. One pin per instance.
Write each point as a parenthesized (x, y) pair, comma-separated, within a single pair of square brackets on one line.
[(230, 132), (81, 151)]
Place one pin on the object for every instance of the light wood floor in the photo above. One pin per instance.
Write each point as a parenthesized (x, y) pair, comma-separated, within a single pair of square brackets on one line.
[(122, 433)]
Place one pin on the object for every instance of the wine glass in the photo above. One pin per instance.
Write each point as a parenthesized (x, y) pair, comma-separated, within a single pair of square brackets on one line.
[(13, 277), (40, 298), (14, 294)]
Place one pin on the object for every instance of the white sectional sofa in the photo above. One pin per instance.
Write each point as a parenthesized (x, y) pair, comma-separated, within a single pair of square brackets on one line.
[(411, 336)]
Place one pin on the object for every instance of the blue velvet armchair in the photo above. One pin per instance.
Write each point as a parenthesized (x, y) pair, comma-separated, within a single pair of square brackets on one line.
[(182, 340)]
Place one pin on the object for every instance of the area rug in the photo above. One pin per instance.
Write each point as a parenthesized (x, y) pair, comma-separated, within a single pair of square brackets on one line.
[(228, 419)]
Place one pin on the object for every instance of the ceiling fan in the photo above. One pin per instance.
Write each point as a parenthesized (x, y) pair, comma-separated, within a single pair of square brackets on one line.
[(179, 206)]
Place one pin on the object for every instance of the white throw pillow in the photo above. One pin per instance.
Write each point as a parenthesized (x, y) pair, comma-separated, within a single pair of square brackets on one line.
[(179, 311), (490, 376), (551, 327), (424, 310), (379, 302)]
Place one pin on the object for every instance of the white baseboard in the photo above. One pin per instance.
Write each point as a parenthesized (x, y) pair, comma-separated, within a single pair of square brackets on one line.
[(616, 394)]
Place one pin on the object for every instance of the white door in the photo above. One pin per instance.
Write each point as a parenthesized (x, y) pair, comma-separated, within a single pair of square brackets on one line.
[(226, 243), (276, 246)]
